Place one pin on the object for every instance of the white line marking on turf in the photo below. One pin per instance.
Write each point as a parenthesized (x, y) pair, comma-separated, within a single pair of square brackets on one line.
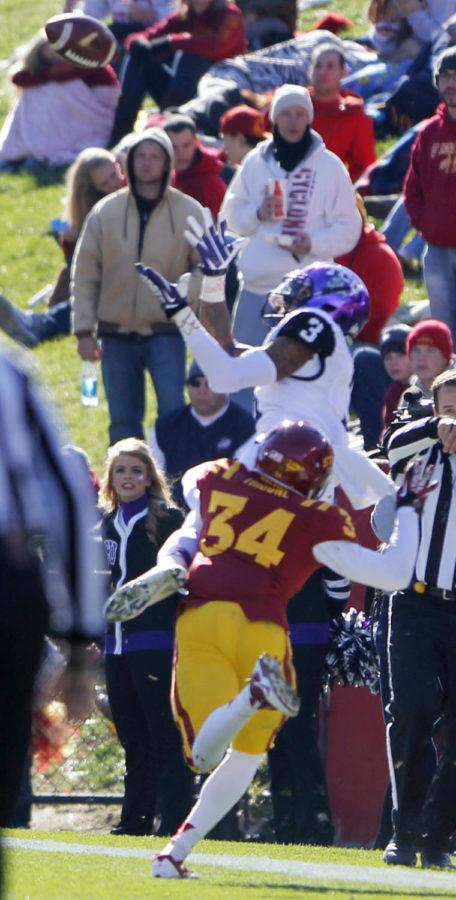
[(399, 877)]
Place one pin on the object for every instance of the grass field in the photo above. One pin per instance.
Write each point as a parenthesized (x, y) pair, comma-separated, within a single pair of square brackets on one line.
[(86, 867)]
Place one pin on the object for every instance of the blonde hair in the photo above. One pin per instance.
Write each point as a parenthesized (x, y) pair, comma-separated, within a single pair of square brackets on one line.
[(158, 492), (80, 192), (386, 11)]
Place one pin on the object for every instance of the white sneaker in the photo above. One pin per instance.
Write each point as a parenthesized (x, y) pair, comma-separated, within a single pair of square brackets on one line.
[(164, 866), (269, 689)]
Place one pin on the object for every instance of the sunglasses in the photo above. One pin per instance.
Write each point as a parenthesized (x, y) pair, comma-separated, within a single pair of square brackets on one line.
[(196, 382)]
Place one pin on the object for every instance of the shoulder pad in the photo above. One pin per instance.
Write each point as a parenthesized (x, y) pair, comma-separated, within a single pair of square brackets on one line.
[(192, 478), (308, 326), (336, 519)]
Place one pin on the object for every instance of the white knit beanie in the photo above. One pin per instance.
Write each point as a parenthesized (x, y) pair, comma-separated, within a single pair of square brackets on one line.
[(290, 95)]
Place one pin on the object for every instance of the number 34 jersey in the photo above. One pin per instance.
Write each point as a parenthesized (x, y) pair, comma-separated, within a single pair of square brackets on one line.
[(256, 540), (319, 391)]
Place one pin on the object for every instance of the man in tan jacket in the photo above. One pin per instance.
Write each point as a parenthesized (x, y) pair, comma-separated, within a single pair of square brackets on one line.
[(144, 221)]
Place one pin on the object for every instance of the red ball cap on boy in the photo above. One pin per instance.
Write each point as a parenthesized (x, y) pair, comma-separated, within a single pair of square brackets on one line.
[(434, 334)]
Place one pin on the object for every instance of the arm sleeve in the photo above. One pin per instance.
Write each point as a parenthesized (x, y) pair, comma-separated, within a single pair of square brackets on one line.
[(342, 222), (225, 373), (362, 151), (182, 544), (337, 591), (86, 275), (160, 29), (157, 451), (416, 437), (52, 72), (413, 191), (242, 200), (227, 39), (389, 570)]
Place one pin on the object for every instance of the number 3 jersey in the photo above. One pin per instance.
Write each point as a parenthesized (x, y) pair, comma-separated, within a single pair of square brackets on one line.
[(319, 391), (256, 540)]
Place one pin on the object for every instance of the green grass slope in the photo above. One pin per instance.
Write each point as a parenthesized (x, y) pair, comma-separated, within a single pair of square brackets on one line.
[(91, 867)]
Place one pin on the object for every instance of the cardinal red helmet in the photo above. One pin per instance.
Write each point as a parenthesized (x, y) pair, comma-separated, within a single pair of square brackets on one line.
[(297, 455)]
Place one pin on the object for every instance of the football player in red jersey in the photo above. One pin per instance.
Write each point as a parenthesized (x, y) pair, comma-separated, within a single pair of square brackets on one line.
[(252, 538), (304, 369)]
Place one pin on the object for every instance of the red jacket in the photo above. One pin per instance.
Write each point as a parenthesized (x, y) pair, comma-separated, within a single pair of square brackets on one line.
[(430, 183), (202, 180), (64, 71), (212, 35), (346, 130), (377, 264)]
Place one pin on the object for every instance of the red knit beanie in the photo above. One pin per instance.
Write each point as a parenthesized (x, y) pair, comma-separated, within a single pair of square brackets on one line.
[(434, 334)]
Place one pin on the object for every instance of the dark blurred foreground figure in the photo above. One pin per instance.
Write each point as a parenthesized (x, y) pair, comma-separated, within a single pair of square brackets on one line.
[(47, 561)]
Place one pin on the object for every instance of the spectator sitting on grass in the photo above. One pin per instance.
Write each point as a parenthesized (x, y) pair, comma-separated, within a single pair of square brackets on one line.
[(61, 108), (94, 174)]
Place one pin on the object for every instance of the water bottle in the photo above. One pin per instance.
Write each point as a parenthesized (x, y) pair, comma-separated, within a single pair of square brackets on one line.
[(89, 383)]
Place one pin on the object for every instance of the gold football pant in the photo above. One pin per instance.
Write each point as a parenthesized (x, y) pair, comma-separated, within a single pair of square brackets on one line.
[(217, 647)]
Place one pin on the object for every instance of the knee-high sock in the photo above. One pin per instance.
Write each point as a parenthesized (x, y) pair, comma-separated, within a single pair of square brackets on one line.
[(220, 727), (219, 794)]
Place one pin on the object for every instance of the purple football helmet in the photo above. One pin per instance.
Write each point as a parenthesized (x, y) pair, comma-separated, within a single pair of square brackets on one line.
[(327, 286)]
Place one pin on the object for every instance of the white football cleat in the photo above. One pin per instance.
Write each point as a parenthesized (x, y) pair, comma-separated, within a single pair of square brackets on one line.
[(268, 688), (132, 598), (164, 866)]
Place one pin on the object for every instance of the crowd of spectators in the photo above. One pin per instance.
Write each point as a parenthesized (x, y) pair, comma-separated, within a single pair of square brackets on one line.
[(274, 130)]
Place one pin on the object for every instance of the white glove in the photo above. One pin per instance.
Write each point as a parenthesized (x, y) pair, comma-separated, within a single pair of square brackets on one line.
[(135, 596)]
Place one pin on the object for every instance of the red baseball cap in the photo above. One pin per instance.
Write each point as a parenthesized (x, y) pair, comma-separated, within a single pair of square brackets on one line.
[(434, 334), (244, 120)]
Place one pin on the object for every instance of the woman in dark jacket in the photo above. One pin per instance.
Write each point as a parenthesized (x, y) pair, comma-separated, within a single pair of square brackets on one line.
[(168, 59), (138, 516)]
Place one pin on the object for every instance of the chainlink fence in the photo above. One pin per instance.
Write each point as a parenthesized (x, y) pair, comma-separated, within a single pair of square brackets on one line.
[(82, 762)]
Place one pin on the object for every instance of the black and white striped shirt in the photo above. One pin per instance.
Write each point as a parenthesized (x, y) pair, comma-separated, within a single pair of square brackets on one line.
[(436, 560), (45, 498)]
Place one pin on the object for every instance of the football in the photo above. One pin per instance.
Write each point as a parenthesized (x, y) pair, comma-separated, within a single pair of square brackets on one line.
[(81, 39)]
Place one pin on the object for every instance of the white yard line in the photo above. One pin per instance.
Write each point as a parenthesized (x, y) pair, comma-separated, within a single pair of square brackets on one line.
[(393, 877)]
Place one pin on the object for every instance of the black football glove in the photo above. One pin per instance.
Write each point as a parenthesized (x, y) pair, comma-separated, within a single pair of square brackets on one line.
[(172, 296)]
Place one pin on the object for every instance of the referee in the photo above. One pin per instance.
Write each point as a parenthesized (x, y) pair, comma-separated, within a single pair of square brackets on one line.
[(420, 660), (47, 512)]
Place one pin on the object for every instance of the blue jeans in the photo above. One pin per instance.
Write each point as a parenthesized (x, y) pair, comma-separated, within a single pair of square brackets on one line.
[(440, 278), (370, 382), (124, 361), (248, 326), (395, 228), (52, 323)]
